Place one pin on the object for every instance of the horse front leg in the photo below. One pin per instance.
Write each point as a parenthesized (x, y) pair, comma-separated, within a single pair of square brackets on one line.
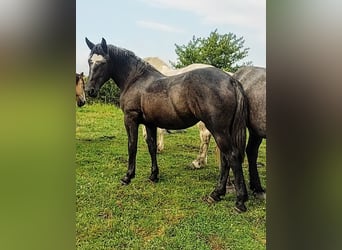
[(151, 141), (132, 133)]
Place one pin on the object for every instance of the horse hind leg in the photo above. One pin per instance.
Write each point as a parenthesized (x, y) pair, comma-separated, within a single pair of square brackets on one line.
[(252, 150), (230, 158), (220, 189), (144, 132), (202, 157), (160, 139), (239, 181)]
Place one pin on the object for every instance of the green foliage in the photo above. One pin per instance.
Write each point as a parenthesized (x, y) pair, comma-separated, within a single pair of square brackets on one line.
[(109, 93), (167, 215), (222, 51)]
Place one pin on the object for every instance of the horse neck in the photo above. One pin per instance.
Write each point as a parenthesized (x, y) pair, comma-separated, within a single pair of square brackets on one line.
[(126, 68)]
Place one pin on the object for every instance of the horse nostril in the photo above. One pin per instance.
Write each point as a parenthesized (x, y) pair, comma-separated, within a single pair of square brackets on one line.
[(91, 92), (80, 103)]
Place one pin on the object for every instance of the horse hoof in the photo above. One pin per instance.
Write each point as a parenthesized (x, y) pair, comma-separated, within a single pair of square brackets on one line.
[(214, 196), (153, 179), (125, 181), (240, 207), (196, 165), (210, 200)]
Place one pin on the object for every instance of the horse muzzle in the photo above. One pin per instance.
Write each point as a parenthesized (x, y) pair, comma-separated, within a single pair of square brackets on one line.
[(80, 103)]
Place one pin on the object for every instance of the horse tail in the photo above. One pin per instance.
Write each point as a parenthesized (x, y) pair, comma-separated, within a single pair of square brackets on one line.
[(238, 127)]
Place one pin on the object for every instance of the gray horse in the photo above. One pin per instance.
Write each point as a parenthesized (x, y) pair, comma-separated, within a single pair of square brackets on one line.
[(253, 80)]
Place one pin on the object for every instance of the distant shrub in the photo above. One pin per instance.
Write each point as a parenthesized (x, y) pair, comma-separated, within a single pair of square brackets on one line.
[(109, 93)]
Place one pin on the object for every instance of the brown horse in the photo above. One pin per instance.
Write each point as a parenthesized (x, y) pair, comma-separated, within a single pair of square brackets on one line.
[(80, 94), (175, 102)]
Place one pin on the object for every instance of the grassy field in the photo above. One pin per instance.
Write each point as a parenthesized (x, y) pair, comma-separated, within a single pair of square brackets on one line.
[(167, 215)]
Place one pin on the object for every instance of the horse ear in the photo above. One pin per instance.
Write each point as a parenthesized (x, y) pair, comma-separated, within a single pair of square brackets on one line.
[(104, 45), (89, 43), (81, 74)]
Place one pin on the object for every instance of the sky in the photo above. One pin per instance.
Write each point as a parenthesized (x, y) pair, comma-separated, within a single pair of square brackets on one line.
[(153, 27)]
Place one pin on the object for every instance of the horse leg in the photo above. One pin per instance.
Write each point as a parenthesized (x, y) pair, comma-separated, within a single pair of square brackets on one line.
[(205, 136), (152, 148), (230, 158), (239, 182), (220, 189), (230, 184), (144, 132), (132, 133), (252, 150), (160, 137)]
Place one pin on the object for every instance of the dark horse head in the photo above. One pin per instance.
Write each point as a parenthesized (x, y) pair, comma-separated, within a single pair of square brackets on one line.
[(99, 67)]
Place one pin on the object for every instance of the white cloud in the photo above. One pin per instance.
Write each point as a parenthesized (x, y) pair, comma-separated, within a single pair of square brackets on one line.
[(246, 13), (158, 26)]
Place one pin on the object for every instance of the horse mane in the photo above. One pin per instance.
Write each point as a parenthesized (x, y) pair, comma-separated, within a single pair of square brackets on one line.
[(124, 56), (121, 52), (127, 63)]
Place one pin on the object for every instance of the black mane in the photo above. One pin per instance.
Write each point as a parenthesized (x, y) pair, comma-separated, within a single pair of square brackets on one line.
[(114, 52), (123, 56), (121, 52), (125, 61)]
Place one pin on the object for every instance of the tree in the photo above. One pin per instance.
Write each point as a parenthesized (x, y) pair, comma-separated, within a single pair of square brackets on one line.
[(109, 93), (222, 51)]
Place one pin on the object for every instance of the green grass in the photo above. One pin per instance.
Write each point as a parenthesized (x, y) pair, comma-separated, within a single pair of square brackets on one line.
[(167, 215)]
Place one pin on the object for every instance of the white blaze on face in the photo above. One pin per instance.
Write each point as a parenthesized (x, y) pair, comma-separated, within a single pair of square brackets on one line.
[(95, 59)]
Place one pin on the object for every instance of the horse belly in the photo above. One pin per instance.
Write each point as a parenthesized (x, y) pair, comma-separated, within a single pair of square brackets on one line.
[(164, 113)]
